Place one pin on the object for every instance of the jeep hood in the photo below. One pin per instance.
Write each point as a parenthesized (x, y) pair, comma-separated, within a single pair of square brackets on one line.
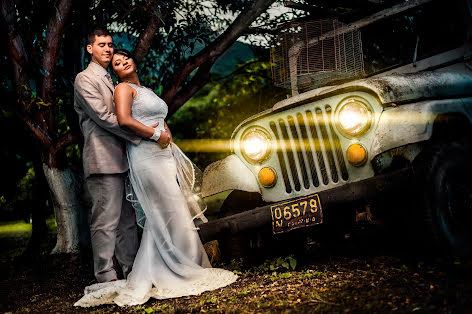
[(395, 89)]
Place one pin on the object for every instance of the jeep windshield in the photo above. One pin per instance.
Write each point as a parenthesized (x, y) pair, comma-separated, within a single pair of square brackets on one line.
[(332, 51)]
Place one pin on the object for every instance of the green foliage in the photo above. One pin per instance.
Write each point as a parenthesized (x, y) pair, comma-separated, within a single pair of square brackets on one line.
[(220, 106), (154, 309), (73, 154), (309, 274), (286, 263), (26, 185), (20, 204), (278, 267), (236, 265), (403, 268), (186, 28), (285, 275)]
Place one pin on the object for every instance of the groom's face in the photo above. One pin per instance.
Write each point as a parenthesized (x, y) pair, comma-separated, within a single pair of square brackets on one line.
[(101, 50)]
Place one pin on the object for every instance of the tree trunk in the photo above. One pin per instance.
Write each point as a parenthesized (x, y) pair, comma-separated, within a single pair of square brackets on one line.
[(40, 197), (71, 215)]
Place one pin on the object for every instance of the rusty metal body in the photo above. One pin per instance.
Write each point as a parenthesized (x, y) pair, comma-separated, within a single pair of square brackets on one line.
[(308, 147), (258, 218), (405, 108)]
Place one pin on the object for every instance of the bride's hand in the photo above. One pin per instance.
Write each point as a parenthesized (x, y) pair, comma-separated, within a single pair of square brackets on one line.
[(164, 139)]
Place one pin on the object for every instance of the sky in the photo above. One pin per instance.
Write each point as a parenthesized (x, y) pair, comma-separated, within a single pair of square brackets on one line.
[(275, 10)]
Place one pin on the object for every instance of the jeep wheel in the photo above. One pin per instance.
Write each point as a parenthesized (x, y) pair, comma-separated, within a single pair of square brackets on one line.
[(239, 245), (448, 196)]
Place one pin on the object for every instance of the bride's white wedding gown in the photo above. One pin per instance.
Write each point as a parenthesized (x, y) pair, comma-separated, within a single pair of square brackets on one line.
[(171, 261)]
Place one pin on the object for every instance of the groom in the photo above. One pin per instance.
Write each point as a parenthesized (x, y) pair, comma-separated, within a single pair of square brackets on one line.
[(113, 223)]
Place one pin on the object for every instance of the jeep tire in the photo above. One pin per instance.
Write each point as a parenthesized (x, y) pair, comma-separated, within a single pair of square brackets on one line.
[(447, 196)]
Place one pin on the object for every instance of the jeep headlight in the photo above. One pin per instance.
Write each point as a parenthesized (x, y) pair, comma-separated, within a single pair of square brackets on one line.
[(256, 144), (353, 117)]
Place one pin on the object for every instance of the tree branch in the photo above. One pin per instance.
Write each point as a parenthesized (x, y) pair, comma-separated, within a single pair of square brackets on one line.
[(145, 38), (275, 28), (16, 47), (54, 32), (299, 6), (53, 37), (216, 48), (200, 79), (39, 133), (261, 30), (308, 8)]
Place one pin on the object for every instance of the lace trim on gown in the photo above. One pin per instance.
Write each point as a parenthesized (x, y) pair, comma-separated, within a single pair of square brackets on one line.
[(116, 292)]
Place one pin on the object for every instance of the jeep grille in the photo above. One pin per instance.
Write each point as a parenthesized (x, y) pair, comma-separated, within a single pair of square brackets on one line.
[(308, 139)]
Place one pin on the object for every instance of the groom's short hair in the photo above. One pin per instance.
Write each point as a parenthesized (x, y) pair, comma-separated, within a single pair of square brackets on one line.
[(99, 31)]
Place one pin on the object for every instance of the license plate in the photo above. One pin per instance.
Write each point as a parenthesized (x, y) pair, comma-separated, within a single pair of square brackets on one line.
[(302, 212)]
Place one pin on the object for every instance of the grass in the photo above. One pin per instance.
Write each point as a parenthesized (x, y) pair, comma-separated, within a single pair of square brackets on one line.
[(20, 228), (14, 237), (14, 228), (294, 283)]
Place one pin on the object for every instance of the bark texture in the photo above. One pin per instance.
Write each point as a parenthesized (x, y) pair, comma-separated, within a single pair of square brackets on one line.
[(54, 32), (145, 38), (62, 185), (16, 47)]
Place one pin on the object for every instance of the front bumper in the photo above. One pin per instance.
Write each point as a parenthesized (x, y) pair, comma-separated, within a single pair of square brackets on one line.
[(379, 186)]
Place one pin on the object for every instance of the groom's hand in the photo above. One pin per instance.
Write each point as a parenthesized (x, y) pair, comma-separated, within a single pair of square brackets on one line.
[(165, 137)]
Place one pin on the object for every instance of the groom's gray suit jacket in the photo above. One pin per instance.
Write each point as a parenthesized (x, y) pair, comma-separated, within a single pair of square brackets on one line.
[(104, 148), (113, 223)]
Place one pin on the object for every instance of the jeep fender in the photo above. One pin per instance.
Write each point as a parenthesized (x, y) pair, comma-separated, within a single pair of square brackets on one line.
[(228, 174), (413, 123)]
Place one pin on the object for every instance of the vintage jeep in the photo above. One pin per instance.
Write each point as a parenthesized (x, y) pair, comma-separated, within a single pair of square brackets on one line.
[(402, 136)]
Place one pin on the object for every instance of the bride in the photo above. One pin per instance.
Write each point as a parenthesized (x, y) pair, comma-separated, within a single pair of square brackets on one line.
[(171, 261)]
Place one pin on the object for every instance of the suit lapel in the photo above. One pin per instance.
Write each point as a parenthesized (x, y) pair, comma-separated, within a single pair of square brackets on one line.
[(102, 78), (110, 86)]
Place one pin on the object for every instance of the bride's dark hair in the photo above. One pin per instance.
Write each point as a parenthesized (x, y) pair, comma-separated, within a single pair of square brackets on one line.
[(125, 53)]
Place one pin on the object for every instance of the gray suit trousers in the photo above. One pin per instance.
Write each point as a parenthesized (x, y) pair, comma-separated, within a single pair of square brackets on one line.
[(112, 227)]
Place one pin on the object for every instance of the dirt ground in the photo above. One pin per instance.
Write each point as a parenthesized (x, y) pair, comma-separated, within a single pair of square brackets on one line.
[(343, 280)]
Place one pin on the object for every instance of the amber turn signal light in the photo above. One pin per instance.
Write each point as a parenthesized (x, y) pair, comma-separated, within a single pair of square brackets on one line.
[(356, 155), (267, 177)]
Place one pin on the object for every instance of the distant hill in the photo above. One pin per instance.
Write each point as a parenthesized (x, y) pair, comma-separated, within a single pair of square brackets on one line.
[(238, 53)]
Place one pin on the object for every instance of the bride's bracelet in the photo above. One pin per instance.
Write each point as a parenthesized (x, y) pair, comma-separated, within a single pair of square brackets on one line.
[(156, 135)]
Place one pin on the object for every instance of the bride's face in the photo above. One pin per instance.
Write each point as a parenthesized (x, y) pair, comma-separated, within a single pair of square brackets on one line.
[(123, 66)]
